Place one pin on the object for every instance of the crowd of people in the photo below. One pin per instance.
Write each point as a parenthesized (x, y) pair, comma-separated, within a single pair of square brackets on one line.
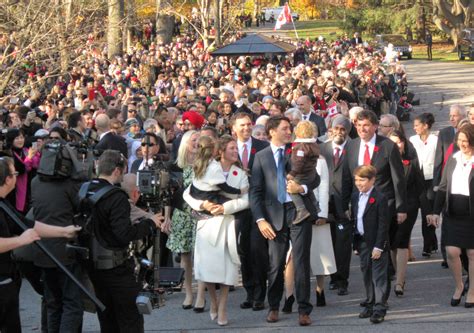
[(285, 165)]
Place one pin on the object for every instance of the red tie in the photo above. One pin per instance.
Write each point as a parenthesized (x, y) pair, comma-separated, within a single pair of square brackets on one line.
[(366, 155), (336, 156), (245, 157)]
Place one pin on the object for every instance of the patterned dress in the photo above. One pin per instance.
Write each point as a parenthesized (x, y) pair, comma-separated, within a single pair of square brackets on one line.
[(183, 226)]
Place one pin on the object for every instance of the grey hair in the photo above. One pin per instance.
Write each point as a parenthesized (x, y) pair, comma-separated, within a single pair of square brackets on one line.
[(294, 113), (392, 119), (460, 109)]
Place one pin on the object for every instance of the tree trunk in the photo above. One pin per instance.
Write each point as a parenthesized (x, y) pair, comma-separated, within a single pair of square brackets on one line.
[(164, 24), (217, 21), (114, 35), (131, 22)]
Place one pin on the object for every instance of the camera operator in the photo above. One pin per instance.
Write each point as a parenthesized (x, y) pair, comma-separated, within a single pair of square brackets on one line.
[(151, 149), (116, 287), (55, 202), (10, 281)]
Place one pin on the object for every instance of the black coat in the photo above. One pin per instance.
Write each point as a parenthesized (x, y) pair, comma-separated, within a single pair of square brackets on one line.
[(376, 219), (255, 146), (114, 142), (335, 177), (445, 139), (390, 179), (54, 203)]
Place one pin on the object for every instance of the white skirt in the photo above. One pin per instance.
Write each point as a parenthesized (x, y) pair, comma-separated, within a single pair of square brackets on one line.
[(322, 253), (215, 253)]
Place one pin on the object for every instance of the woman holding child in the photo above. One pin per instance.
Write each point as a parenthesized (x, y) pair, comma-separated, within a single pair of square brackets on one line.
[(216, 259)]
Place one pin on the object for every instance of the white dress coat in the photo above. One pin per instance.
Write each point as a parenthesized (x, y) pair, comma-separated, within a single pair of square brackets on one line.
[(322, 258), (215, 252)]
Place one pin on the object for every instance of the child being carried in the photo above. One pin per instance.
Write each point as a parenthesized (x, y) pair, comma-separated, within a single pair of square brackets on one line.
[(210, 181)]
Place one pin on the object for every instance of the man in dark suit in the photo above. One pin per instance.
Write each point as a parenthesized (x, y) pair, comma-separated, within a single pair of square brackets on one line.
[(444, 149), (383, 154), (107, 139), (356, 39), (334, 153), (252, 246), (304, 105), (371, 223), (274, 213)]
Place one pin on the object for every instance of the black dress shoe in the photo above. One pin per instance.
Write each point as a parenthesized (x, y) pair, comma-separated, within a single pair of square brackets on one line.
[(320, 298), (232, 288), (468, 305), (426, 254), (187, 307), (364, 304), (288, 306), (455, 302), (366, 313), (377, 318), (342, 291), (444, 264), (201, 309), (258, 306), (246, 305), (332, 286)]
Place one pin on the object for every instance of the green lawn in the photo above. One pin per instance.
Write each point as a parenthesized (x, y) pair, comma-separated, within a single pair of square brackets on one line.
[(441, 52), (313, 29)]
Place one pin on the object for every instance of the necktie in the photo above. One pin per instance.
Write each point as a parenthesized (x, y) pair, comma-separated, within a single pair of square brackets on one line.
[(281, 182), (366, 155), (245, 157), (337, 158)]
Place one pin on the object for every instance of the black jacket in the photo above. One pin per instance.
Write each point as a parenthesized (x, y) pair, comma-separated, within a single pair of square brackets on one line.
[(445, 139), (111, 219), (54, 203), (376, 219), (114, 142)]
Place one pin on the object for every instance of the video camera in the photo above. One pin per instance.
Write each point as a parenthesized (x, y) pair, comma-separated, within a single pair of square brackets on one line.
[(154, 184)]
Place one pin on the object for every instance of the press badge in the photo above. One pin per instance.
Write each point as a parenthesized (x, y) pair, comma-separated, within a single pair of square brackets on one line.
[(300, 153)]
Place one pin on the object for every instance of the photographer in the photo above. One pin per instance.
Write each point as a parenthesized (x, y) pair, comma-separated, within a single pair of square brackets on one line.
[(55, 202), (116, 287), (10, 281)]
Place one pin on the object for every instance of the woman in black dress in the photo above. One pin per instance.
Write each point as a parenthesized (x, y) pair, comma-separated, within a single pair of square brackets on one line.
[(455, 197), (416, 198)]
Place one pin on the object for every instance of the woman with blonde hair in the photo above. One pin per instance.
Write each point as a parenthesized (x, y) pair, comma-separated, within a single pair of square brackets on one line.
[(181, 226)]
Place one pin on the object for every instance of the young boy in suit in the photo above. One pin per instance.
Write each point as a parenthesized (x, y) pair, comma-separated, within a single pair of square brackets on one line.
[(371, 223)]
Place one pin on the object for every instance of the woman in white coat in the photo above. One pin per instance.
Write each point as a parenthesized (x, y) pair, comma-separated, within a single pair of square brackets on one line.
[(322, 258), (215, 255)]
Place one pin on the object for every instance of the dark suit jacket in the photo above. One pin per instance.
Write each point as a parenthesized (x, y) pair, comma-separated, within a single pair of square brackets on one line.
[(263, 193), (335, 177), (357, 40), (445, 139), (114, 142), (444, 190), (256, 146), (390, 179), (376, 219), (319, 121)]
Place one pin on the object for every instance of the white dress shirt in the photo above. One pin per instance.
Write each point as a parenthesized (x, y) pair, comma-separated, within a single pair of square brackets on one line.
[(276, 157), (363, 199), (341, 148), (461, 174), (240, 146), (426, 151), (371, 145)]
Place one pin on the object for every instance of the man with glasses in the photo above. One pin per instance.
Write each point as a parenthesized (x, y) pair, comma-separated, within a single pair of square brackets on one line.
[(387, 124), (114, 280)]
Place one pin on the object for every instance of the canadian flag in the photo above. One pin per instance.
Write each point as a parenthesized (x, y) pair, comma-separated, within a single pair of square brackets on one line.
[(284, 17)]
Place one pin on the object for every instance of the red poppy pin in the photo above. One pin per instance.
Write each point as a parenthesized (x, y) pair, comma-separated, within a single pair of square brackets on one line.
[(235, 173), (376, 148), (371, 200), (253, 151), (288, 151), (406, 162)]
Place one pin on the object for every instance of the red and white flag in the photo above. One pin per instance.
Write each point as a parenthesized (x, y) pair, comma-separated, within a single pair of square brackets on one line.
[(284, 17)]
